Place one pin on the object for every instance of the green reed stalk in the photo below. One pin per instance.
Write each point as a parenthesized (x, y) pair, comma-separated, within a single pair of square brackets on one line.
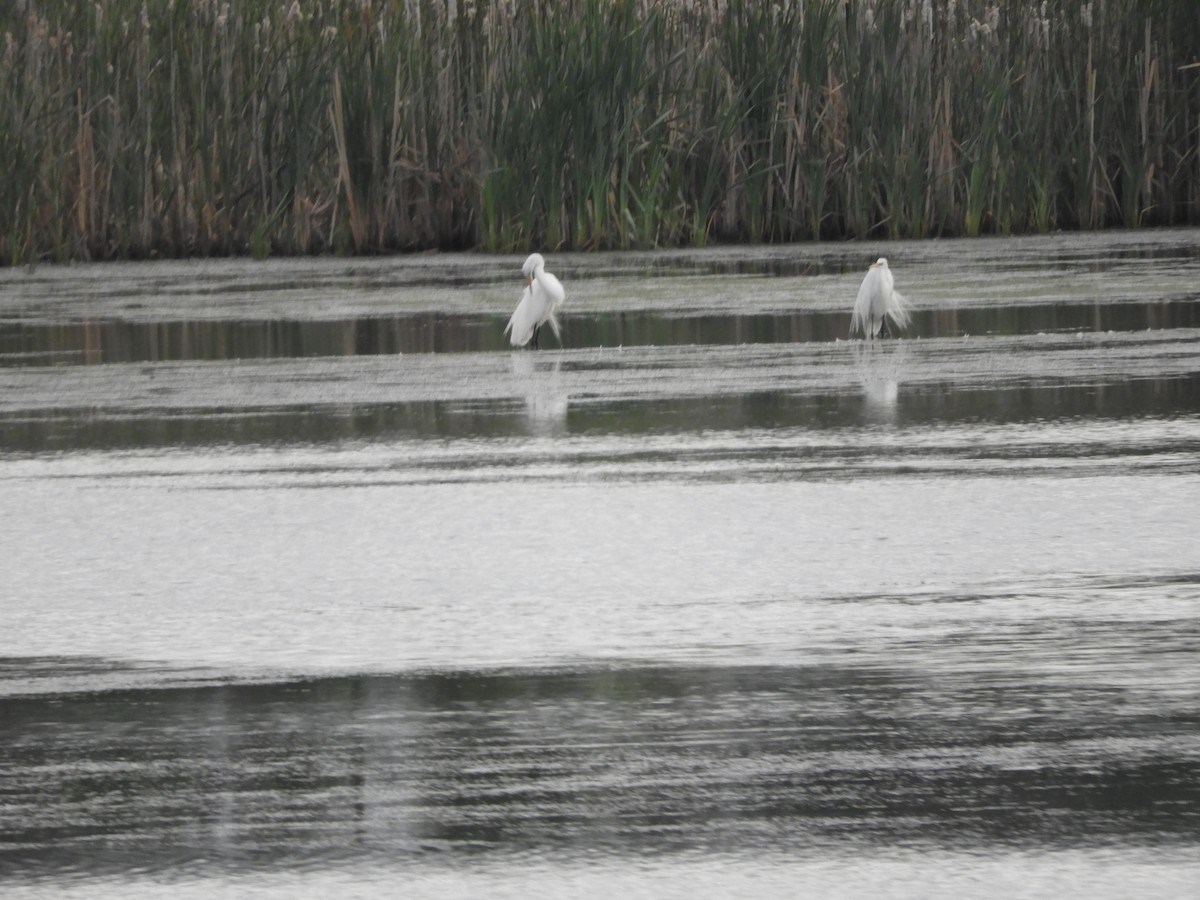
[(136, 128)]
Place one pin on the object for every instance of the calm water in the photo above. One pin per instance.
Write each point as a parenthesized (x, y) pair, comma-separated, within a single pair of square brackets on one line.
[(311, 587)]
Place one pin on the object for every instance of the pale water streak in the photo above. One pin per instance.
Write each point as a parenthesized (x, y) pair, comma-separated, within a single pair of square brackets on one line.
[(311, 588)]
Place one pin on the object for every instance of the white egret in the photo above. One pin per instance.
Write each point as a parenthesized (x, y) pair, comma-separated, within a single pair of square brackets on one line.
[(543, 296), (877, 301)]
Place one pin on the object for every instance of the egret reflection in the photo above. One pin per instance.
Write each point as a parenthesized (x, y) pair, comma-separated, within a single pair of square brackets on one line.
[(880, 369), (538, 382)]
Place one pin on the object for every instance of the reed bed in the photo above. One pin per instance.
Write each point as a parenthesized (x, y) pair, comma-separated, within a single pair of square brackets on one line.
[(132, 128)]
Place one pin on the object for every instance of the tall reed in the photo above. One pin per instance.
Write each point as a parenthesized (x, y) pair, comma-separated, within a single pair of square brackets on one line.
[(134, 128)]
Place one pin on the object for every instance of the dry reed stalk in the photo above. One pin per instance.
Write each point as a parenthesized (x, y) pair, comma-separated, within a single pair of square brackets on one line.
[(208, 128)]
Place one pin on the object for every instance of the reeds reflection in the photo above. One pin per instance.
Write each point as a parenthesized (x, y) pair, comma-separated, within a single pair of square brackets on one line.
[(101, 341), (620, 764)]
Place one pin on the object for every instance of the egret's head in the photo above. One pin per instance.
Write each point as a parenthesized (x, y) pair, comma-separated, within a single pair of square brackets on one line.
[(532, 264), (880, 263)]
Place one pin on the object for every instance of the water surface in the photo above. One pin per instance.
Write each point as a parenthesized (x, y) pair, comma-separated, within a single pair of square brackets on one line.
[(312, 586)]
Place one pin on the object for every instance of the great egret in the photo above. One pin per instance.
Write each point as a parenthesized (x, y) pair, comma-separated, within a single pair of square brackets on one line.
[(543, 296), (878, 300)]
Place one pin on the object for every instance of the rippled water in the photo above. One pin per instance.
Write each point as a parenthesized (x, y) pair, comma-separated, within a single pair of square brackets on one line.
[(312, 587)]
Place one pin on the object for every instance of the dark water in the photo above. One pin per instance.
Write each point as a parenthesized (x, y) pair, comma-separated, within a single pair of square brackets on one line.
[(311, 587), (116, 341), (629, 762)]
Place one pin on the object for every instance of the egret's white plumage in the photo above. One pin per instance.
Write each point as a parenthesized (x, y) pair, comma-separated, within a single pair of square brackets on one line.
[(541, 300), (878, 299)]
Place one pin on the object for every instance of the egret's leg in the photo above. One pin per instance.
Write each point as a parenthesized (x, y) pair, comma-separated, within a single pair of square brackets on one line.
[(534, 343)]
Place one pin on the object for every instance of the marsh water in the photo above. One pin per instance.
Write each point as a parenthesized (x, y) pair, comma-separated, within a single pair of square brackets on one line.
[(311, 586)]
